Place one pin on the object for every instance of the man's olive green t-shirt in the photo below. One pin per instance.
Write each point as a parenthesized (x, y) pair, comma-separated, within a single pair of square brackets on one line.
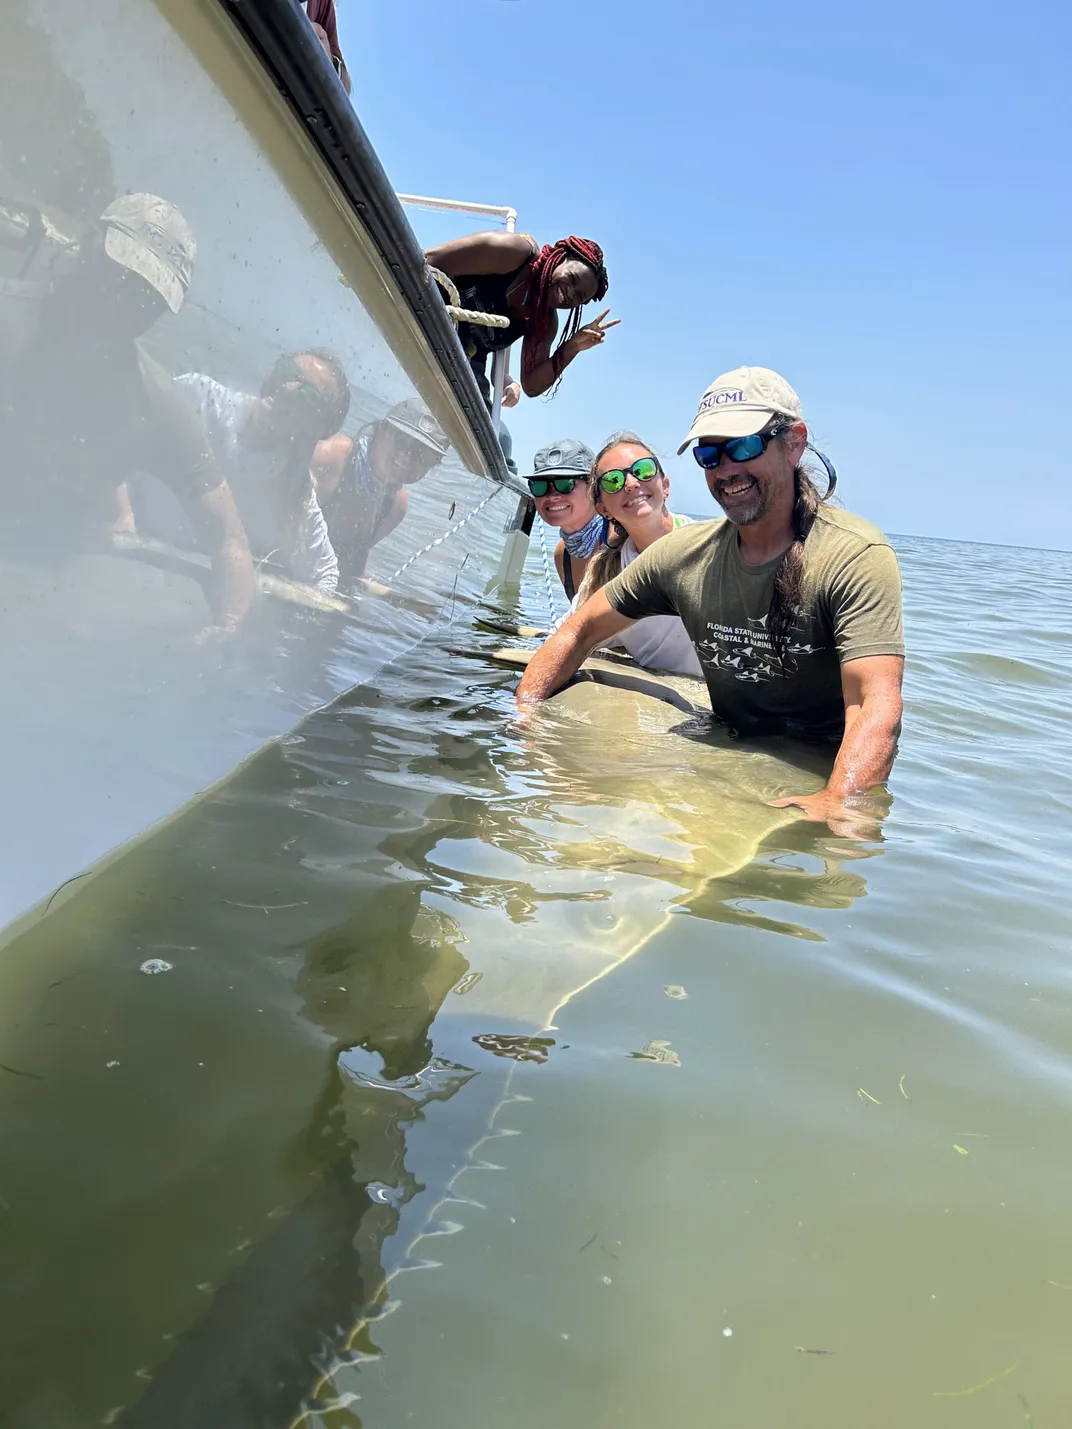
[(850, 609)]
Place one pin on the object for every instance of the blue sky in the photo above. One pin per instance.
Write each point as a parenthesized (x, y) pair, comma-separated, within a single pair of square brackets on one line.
[(874, 200)]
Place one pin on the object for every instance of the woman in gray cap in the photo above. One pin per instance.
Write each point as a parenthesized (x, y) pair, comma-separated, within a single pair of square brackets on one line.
[(559, 486), (361, 481)]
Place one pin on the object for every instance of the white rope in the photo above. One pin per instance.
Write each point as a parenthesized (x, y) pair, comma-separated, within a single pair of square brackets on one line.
[(549, 584), (466, 315), (440, 539), (459, 314)]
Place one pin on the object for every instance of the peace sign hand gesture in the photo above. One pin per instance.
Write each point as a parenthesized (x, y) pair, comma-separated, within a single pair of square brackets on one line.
[(593, 333)]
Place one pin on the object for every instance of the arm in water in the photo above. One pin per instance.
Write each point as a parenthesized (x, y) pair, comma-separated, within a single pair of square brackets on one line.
[(872, 691), (559, 658), (232, 565)]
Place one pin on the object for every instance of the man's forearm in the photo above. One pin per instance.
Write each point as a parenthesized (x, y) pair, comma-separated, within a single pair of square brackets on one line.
[(555, 663), (868, 748), (232, 564), (232, 578)]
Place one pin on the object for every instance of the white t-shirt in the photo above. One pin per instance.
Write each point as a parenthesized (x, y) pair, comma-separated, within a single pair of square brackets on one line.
[(255, 477), (658, 642)]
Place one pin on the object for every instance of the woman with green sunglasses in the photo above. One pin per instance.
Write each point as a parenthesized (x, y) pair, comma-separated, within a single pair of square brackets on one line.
[(630, 490)]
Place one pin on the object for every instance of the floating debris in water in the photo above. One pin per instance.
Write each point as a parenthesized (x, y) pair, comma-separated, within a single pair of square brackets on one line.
[(975, 1388), (861, 1094), (155, 965), (468, 982), (807, 1350), (521, 1049), (961, 1150), (386, 1195), (675, 990), (727, 1332), (111, 1064), (657, 1052)]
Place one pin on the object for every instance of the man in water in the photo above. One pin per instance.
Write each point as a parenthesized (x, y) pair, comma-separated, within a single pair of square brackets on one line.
[(83, 406), (794, 607)]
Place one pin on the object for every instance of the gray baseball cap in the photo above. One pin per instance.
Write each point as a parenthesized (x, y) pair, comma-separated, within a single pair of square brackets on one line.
[(566, 457), (149, 236), (414, 419)]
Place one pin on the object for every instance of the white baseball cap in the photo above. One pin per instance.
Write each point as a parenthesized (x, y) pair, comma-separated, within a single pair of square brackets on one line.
[(742, 402), (149, 236)]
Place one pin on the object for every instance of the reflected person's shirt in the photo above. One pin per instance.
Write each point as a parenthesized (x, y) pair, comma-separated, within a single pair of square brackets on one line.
[(77, 420), (356, 508), (278, 521), (658, 642)]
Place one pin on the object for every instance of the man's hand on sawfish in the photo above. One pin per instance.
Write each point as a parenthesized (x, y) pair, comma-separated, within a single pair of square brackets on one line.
[(593, 333)]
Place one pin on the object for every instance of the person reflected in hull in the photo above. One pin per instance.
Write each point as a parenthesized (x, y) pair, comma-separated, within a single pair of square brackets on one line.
[(83, 405), (559, 486), (264, 443), (362, 482), (631, 490), (794, 607)]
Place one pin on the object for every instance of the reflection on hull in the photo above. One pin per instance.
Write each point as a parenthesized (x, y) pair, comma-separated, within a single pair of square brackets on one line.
[(177, 343)]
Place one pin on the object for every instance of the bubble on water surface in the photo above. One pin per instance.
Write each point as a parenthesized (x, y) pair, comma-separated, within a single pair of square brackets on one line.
[(155, 965), (675, 990)]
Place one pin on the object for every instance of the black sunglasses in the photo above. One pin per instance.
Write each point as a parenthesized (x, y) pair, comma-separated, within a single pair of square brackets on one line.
[(709, 454), (287, 373), (541, 485)]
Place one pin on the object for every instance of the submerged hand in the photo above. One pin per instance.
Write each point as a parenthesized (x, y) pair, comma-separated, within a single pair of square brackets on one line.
[(848, 821), (593, 333)]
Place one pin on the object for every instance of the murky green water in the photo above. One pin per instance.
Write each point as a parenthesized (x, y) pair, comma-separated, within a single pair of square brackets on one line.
[(796, 1155)]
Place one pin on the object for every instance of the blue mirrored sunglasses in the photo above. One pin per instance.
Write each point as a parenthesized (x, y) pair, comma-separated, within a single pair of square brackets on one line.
[(709, 454)]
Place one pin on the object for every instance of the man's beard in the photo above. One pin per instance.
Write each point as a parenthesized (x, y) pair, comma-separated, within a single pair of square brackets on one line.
[(748, 509)]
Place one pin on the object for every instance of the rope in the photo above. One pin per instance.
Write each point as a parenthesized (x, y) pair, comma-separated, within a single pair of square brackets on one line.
[(549, 584), (459, 314), (440, 539)]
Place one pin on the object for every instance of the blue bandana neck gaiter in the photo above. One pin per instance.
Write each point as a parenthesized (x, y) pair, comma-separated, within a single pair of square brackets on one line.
[(583, 542)]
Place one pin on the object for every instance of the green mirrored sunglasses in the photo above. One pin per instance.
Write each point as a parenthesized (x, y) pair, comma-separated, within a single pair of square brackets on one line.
[(644, 469)]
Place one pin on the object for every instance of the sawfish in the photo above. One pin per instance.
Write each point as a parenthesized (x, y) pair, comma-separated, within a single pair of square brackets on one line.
[(203, 1167)]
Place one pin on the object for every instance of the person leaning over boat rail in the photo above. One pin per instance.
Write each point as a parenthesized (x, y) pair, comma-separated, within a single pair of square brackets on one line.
[(794, 607), (509, 274), (559, 486), (630, 491), (321, 15), (362, 481), (83, 406)]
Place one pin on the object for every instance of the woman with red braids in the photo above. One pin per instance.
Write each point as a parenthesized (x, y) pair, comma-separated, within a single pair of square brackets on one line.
[(510, 274)]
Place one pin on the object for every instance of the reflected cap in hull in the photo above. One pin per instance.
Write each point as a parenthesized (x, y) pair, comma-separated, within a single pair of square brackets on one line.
[(413, 418), (149, 236)]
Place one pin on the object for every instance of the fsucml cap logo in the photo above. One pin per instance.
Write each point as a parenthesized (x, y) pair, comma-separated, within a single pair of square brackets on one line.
[(720, 399)]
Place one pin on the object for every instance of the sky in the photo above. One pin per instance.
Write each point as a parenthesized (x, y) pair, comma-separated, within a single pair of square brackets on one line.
[(874, 200)]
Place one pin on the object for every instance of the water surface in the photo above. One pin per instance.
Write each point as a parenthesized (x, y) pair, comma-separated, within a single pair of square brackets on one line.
[(796, 1154)]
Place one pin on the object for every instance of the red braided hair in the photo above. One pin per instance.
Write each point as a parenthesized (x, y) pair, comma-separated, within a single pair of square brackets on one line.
[(543, 267)]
